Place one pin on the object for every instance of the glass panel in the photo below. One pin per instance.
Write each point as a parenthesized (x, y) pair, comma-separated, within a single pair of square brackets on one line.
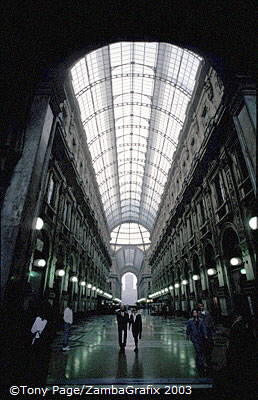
[(133, 98)]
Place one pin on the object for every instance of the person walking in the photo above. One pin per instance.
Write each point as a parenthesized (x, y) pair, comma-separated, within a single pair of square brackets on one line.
[(197, 332), (122, 321), (211, 330), (68, 320), (135, 322)]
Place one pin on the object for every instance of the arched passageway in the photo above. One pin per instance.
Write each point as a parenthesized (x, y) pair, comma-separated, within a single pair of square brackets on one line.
[(207, 190), (129, 289)]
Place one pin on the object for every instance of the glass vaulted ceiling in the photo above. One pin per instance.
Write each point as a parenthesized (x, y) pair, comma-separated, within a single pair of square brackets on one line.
[(133, 98)]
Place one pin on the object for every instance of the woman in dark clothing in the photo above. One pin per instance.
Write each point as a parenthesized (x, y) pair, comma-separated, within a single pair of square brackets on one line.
[(197, 332), (136, 322)]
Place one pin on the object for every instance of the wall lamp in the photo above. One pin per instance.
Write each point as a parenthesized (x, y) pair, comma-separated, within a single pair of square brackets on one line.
[(235, 261), (60, 272), (196, 277), (253, 222), (39, 262), (38, 223), (211, 271)]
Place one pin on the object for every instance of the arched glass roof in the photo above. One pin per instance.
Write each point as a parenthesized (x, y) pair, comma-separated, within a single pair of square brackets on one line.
[(133, 98), (130, 258), (130, 234)]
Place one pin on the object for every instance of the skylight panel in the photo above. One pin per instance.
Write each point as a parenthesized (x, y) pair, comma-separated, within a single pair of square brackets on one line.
[(133, 99)]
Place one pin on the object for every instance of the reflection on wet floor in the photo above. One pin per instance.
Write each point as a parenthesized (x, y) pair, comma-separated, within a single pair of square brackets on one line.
[(164, 352)]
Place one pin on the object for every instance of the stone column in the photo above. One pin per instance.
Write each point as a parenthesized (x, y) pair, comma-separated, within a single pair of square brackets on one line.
[(20, 202)]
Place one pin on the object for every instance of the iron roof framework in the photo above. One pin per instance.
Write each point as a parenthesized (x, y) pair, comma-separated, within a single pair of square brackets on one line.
[(133, 98)]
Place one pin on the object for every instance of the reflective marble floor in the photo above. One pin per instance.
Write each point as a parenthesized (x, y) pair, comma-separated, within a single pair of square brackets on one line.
[(164, 353)]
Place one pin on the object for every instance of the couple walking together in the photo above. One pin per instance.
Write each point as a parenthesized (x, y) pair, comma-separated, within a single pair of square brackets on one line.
[(135, 321)]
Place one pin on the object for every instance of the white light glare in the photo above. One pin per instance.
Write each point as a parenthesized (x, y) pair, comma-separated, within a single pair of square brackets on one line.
[(235, 261), (38, 223), (195, 277), (60, 272), (211, 271), (253, 222), (40, 262)]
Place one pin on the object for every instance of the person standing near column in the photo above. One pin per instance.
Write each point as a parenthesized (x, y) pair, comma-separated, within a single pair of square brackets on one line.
[(122, 320), (68, 320), (197, 332), (136, 322), (211, 330)]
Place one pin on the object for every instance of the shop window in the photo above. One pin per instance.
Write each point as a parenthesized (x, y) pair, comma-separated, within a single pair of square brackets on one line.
[(68, 215), (202, 212), (51, 194), (241, 165), (220, 191), (65, 211), (204, 112), (190, 225)]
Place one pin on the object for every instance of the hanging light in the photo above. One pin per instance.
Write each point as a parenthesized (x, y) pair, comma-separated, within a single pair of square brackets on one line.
[(83, 283), (243, 271), (170, 287), (89, 285), (74, 279), (211, 271), (39, 262), (60, 272), (253, 223), (38, 223), (196, 277), (93, 287), (177, 285), (166, 289), (184, 282), (235, 261)]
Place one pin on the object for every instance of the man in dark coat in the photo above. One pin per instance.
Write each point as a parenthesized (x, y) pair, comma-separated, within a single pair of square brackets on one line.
[(197, 332), (136, 322), (211, 330), (122, 320)]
